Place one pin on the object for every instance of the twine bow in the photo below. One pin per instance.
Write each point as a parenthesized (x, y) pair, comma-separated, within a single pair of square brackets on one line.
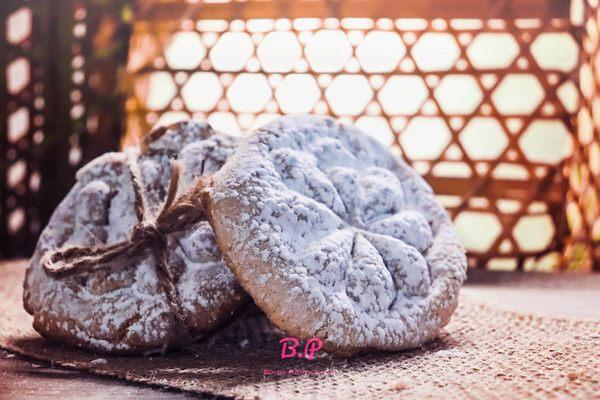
[(176, 214)]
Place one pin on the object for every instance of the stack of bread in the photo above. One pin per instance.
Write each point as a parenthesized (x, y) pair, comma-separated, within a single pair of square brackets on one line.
[(329, 233)]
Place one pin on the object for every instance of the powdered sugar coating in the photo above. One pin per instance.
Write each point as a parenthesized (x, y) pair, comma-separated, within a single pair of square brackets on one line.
[(335, 237), (125, 309)]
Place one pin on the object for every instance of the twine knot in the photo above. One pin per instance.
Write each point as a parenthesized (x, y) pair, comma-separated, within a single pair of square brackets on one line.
[(148, 231), (176, 214)]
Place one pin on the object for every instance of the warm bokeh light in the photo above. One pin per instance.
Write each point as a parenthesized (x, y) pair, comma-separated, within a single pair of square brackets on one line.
[(501, 116), (465, 105)]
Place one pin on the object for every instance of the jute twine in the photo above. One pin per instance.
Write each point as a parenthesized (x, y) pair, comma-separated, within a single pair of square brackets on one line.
[(175, 214)]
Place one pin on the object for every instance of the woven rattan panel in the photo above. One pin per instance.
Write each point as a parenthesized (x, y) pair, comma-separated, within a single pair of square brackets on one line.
[(59, 106), (481, 97), (21, 116), (583, 170)]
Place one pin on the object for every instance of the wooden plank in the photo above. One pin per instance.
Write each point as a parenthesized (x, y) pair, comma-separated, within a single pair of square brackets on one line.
[(429, 9), (497, 189), (23, 378)]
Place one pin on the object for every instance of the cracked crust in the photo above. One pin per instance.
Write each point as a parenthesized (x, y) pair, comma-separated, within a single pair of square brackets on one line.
[(124, 310), (334, 237)]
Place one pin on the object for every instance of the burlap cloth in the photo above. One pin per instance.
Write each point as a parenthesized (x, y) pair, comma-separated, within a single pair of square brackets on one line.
[(483, 353)]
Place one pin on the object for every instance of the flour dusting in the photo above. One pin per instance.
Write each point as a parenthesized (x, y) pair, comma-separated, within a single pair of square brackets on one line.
[(348, 241), (124, 309)]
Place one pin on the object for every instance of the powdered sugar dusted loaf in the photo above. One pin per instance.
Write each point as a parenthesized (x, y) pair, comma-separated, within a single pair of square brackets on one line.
[(336, 238), (124, 309)]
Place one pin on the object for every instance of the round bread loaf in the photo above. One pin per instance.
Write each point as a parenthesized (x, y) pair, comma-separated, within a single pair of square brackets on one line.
[(123, 308), (335, 237)]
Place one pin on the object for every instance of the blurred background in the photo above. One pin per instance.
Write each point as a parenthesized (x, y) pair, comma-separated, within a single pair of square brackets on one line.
[(495, 103)]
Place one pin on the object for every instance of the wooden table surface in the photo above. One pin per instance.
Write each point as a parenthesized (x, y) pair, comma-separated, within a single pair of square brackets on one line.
[(560, 295), (23, 378)]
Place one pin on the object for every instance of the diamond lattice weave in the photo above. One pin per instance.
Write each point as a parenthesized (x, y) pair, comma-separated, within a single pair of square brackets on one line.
[(484, 353)]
